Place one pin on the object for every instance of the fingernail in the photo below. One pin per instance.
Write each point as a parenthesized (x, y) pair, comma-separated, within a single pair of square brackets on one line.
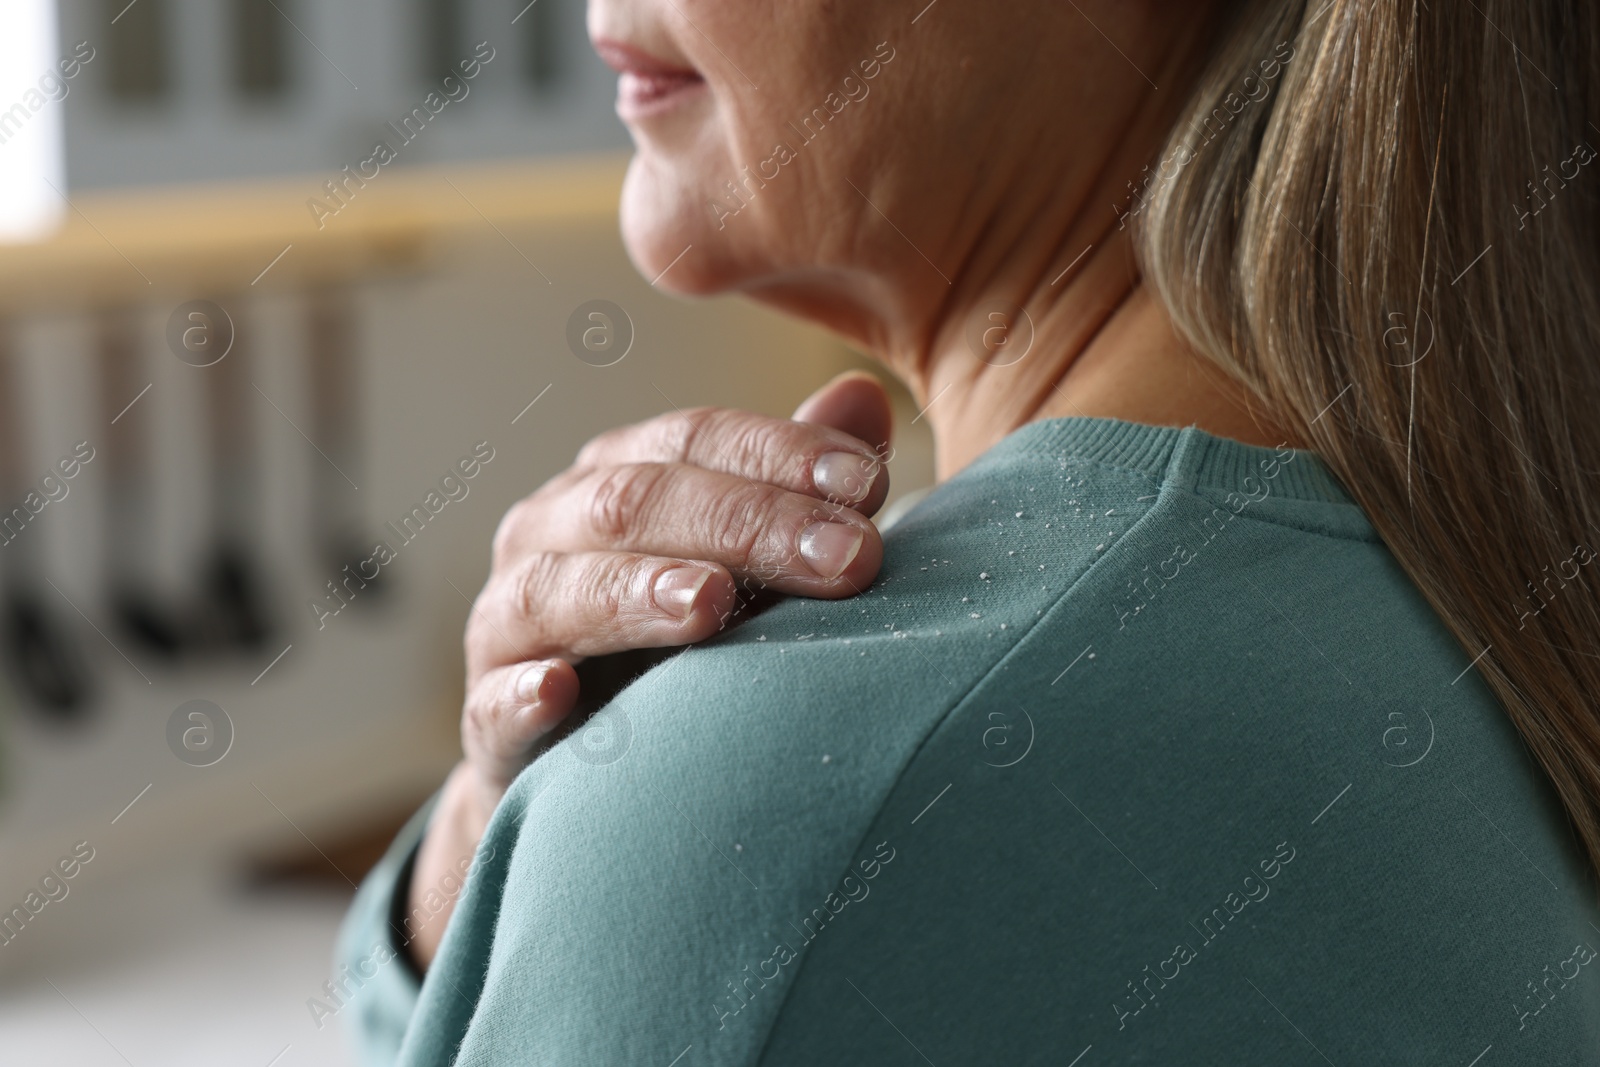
[(844, 476), (675, 590), (828, 547), (530, 681)]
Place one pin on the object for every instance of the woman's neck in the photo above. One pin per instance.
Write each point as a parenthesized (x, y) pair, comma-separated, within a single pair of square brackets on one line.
[(1037, 224), (1091, 341)]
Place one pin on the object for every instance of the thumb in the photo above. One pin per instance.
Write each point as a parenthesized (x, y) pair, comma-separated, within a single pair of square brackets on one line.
[(854, 402)]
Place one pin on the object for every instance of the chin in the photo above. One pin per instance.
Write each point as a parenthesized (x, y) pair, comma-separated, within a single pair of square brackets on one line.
[(663, 211)]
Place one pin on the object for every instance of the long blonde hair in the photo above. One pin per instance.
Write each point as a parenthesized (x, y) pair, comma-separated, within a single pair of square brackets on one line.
[(1396, 248)]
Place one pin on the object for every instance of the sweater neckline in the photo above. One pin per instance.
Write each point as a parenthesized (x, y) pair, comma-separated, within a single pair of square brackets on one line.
[(1184, 457)]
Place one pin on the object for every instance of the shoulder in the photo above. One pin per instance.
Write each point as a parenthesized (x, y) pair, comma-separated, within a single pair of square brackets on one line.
[(1234, 767), (726, 802)]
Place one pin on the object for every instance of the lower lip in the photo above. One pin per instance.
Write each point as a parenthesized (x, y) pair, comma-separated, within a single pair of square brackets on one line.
[(643, 95)]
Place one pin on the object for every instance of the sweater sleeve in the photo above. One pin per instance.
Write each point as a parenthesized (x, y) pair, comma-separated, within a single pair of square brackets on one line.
[(374, 973)]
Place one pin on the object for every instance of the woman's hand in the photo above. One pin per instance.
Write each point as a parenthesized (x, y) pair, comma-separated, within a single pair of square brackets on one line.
[(646, 542)]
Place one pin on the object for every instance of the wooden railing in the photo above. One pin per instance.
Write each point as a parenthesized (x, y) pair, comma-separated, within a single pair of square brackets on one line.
[(139, 245)]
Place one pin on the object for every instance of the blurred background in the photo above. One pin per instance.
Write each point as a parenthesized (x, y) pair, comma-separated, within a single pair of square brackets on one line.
[(239, 345)]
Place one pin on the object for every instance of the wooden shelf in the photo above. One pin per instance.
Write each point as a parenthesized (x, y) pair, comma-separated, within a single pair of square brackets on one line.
[(136, 245)]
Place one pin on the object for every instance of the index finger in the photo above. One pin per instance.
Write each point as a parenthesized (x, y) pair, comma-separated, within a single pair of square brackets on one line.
[(801, 457)]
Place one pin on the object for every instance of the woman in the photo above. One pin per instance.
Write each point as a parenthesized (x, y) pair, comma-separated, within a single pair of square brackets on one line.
[(1231, 698)]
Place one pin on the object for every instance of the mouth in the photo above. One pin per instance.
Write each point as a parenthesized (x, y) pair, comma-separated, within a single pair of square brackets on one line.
[(646, 84)]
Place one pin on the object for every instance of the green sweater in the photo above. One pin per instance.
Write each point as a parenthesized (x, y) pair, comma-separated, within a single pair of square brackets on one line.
[(1141, 749)]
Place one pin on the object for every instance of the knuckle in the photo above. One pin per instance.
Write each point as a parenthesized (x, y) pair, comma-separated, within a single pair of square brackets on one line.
[(750, 442), (524, 524), (594, 452), (471, 638), (738, 525), (484, 713), (738, 441), (605, 589), (474, 714), (620, 499), (505, 533), (678, 434), (475, 633), (533, 583)]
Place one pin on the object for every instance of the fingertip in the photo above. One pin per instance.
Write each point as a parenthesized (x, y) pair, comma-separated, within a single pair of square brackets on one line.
[(877, 494), (855, 402), (691, 600), (545, 689), (677, 589), (863, 570), (718, 599), (857, 574), (510, 710), (715, 601)]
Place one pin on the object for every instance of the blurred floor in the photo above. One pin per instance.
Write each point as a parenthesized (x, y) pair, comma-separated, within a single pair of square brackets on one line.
[(184, 968)]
